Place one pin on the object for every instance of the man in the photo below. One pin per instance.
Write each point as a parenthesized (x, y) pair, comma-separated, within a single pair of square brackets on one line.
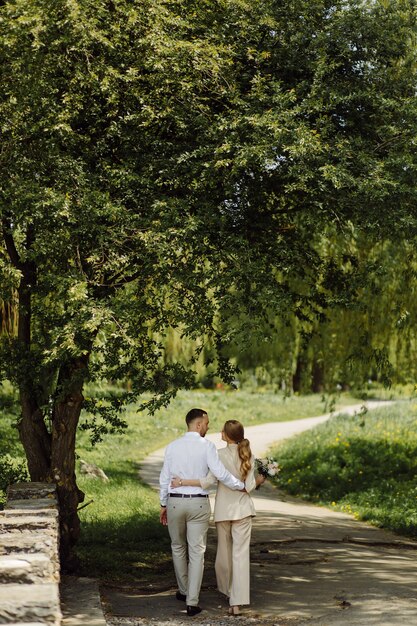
[(186, 510)]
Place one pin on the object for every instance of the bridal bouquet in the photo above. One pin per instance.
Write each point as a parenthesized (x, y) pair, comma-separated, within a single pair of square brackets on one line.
[(266, 467)]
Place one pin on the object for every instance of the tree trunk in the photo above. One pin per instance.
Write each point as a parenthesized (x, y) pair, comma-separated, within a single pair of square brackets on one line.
[(35, 438), (50, 455), (317, 382), (32, 429), (63, 474), (299, 376), (65, 419)]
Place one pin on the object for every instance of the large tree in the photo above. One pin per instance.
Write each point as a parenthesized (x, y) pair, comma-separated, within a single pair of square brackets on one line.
[(176, 163)]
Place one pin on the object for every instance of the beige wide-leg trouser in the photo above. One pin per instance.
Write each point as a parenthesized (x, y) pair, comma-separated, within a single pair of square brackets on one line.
[(188, 520), (233, 560)]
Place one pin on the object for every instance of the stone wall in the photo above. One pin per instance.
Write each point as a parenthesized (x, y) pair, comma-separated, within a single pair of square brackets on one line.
[(29, 558)]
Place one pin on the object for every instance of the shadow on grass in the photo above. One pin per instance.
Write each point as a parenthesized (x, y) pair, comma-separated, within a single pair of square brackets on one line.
[(135, 549)]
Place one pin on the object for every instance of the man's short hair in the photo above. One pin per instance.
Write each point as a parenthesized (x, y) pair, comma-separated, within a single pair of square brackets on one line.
[(194, 414)]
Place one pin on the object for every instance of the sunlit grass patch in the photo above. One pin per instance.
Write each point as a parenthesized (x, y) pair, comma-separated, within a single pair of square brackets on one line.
[(363, 465)]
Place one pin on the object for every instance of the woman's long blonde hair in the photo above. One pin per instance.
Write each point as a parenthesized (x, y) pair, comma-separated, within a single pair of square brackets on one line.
[(235, 431)]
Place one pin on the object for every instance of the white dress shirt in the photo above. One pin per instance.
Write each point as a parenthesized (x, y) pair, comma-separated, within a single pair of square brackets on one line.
[(192, 456)]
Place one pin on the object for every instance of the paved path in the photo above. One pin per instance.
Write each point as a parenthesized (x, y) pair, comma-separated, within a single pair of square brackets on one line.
[(310, 565)]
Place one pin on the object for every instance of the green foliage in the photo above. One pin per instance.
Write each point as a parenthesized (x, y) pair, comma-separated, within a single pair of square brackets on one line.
[(178, 162), (353, 339), (11, 471), (9, 403), (12, 464), (364, 465)]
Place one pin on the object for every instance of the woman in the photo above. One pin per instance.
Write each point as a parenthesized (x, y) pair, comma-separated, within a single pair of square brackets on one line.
[(233, 512)]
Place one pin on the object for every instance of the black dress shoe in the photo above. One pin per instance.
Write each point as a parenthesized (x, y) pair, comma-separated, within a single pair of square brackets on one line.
[(180, 596), (193, 610)]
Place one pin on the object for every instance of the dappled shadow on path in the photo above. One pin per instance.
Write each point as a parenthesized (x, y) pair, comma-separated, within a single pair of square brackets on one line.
[(308, 563)]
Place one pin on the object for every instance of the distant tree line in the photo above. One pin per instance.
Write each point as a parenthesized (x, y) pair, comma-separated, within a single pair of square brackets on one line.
[(368, 333)]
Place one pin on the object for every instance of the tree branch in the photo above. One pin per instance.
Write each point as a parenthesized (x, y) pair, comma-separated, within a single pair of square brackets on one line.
[(10, 245)]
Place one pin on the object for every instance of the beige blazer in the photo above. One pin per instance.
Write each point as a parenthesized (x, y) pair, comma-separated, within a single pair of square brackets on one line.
[(231, 504)]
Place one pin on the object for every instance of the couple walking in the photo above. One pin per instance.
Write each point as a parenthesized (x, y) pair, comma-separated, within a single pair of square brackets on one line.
[(191, 465)]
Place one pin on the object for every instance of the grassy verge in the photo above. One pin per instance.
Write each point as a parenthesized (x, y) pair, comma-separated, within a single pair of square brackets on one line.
[(365, 465)]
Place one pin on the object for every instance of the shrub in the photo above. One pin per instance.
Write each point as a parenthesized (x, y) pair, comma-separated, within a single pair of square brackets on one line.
[(11, 471)]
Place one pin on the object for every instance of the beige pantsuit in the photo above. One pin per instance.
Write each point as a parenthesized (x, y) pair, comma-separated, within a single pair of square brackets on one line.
[(232, 560), (233, 512)]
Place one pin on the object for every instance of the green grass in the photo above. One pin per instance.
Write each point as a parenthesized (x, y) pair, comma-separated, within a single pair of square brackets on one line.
[(121, 539), (364, 465)]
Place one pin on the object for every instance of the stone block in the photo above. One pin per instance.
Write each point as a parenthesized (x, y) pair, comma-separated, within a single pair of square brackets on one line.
[(30, 604), (23, 491), (51, 512), (28, 569), (28, 522), (32, 504), (29, 543)]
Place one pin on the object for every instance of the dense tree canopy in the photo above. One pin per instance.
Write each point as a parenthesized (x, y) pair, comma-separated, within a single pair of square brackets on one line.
[(178, 163)]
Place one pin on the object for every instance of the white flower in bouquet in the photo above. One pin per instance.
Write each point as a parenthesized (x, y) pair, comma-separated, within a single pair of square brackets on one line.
[(267, 467), (272, 468)]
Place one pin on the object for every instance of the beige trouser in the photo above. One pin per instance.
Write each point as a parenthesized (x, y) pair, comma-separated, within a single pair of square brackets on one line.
[(188, 520), (233, 559)]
